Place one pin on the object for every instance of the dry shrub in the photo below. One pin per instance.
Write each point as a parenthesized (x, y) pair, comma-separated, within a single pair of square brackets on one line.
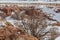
[(34, 23), (57, 10), (56, 24), (10, 32)]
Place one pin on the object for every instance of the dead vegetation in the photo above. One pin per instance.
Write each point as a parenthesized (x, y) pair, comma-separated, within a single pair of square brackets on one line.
[(10, 32), (56, 24), (34, 24), (57, 10)]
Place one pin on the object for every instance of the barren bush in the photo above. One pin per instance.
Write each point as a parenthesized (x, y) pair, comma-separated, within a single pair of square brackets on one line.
[(34, 24)]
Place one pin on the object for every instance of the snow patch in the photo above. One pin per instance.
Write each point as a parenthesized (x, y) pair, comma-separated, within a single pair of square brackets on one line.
[(58, 38)]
